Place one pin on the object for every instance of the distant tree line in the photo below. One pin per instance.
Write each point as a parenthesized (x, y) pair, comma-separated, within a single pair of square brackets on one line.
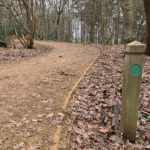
[(99, 21)]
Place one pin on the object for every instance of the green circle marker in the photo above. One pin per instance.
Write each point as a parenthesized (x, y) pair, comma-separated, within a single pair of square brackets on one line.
[(135, 70)]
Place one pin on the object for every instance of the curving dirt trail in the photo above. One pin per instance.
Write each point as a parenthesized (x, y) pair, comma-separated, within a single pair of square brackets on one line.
[(33, 94)]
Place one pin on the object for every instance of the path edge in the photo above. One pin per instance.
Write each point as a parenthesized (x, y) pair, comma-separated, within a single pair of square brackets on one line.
[(57, 135)]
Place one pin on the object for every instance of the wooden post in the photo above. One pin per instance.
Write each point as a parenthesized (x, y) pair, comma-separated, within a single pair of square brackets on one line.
[(131, 89)]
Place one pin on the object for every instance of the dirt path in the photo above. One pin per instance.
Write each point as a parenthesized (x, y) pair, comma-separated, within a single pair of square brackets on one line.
[(33, 93)]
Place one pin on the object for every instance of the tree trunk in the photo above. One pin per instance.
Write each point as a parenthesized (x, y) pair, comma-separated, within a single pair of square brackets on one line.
[(147, 12), (31, 43), (93, 22), (92, 33), (129, 15)]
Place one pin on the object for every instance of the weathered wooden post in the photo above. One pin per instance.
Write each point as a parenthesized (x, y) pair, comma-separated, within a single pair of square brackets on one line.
[(131, 89)]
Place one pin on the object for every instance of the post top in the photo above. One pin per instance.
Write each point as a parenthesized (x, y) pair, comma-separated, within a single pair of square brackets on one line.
[(135, 47), (134, 43)]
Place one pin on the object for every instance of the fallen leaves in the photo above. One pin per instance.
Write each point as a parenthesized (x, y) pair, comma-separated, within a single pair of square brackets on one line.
[(104, 130), (20, 53), (96, 104)]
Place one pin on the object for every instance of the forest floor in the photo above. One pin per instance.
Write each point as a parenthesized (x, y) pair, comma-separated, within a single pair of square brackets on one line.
[(35, 86), (94, 107), (66, 96)]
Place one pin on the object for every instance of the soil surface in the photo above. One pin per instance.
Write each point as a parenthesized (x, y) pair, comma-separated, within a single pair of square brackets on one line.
[(33, 89)]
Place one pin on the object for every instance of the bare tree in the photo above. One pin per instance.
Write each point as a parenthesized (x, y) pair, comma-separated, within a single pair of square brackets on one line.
[(24, 13), (59, 8), (147, 12), (102, 21), (129, 14)]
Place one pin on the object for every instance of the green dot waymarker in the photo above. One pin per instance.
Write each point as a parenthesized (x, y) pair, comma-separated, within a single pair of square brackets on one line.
[(135, 70), (133, 64)]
